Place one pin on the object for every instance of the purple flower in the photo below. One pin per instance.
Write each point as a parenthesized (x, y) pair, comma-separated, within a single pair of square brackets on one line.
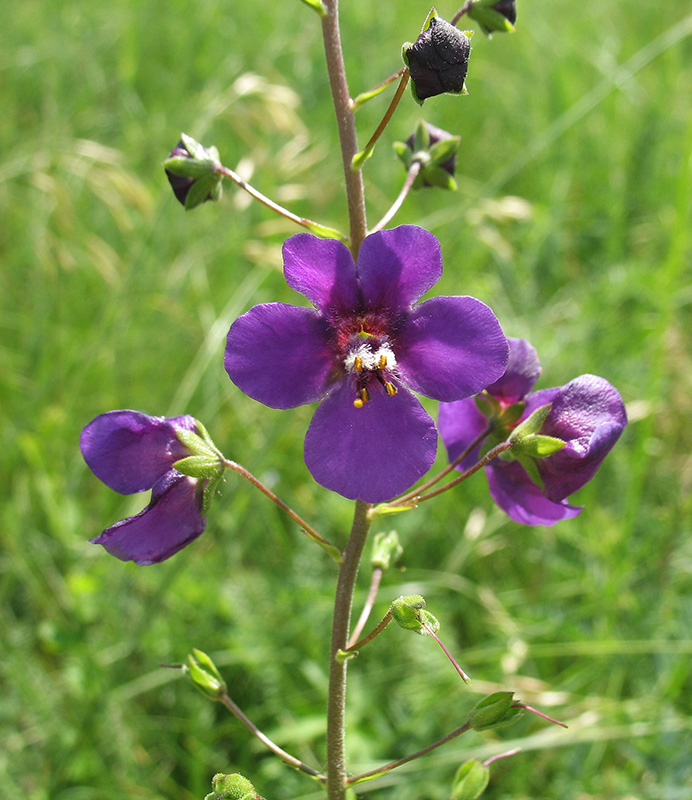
[(587, 413), (368, 344), (132, 452)]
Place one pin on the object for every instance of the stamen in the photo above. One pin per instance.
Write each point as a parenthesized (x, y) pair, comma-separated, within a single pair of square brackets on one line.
[(390, 388), (383, 361), (362, 399), (358, 364)]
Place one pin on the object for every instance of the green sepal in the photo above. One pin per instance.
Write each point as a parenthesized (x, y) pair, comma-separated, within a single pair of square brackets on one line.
[(494, 711), (385, 549), (203, 673), (203, 188), (489, 19), (200, 467), (513, 413), (443, 150), (421, 137), (189, 167), (531, 467), (210, 491), (533, 423), (537, 446), (404, 152), (435, 176), (199, 444), (432, 622), (488, 405), (318, 6), (232, 787), (470, 781), (405, 611)]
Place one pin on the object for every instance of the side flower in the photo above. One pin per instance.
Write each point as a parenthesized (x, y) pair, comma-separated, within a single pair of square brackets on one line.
[(587, 414), (133, 452), (362, 351)]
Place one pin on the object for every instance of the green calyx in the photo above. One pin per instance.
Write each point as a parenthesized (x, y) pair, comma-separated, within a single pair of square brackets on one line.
[(203, 673), (231, 787), (470, 781), (409, 613), (385, 549), (494, 711)]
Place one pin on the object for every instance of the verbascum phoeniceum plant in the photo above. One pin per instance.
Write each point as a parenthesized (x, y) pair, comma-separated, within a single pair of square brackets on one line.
[(363, 351)]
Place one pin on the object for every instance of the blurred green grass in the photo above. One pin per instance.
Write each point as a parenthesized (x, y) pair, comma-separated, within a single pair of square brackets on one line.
[(572, 221)]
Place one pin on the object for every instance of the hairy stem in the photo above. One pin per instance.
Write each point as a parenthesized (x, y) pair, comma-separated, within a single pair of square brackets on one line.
[(346, 124), (343, 602)]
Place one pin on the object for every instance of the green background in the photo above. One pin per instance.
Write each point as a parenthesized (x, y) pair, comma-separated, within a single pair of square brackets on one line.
[(572, 221)]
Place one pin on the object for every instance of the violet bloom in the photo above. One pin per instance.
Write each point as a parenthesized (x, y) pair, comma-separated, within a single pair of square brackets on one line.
[(365, 348), (132, 452), (587, 413)]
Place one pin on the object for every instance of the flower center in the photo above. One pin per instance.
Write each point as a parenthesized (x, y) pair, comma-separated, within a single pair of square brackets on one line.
[(369, 356)]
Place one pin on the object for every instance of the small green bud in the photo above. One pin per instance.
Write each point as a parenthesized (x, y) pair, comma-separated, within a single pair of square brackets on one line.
[(405, 611), (533, 423), (204, 674), (494, 15), (494, 711), (470, 781), (385, 549), (318, 6), (193, 172), (231, 787), (435, 150)]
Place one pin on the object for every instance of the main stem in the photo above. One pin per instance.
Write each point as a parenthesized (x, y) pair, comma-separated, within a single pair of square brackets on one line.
[(343, 602), (346, 124)]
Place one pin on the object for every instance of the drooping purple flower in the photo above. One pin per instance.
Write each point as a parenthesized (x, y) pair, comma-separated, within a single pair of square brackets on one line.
[(587, 413), (133, 452), (362, 350)]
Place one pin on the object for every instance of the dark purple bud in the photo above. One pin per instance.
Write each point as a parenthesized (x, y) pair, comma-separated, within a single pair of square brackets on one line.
[(508, 9), (434, 136), (438, 60), (181, 186), (193, 172)]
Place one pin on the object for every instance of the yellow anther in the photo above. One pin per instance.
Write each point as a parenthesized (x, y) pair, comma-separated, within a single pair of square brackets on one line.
[(358, 364), (358, 403), (383, 361), (390, 388)]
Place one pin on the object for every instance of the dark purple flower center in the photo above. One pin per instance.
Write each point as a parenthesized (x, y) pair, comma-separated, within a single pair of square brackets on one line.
[(364, 352)]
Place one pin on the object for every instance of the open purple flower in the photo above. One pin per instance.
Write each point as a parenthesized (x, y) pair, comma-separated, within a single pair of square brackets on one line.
[(132, 452), (587, 413), (367, 344)]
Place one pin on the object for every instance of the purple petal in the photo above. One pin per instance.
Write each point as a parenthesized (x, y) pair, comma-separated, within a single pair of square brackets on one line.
[(451, 347), (129, 451), (323, 271), (396, 267), (587, 413), (279, 354), (523, 370), (459, 424), (371, 453), (170, 521), (520, 498)]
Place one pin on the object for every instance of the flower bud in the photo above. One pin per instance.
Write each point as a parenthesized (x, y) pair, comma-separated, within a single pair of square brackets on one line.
[(470, 780), (435, 150), (494, 15), (204, 674), (192, 171), (385, 549), (406, 611), (231, 787), (494, 711), (438, 60)]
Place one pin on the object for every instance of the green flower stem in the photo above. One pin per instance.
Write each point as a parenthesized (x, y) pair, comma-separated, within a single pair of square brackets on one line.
[(308, 530), (225, 700), (460, 13), (396, 205), (343, 602), (373, 633), (346, 125), (405, 498), (376, 773), (367, 608), (365, 96), (389, 113), (487, 458), (315, 227)]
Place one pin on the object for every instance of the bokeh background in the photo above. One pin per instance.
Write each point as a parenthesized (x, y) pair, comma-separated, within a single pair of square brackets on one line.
[(572, 221)]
